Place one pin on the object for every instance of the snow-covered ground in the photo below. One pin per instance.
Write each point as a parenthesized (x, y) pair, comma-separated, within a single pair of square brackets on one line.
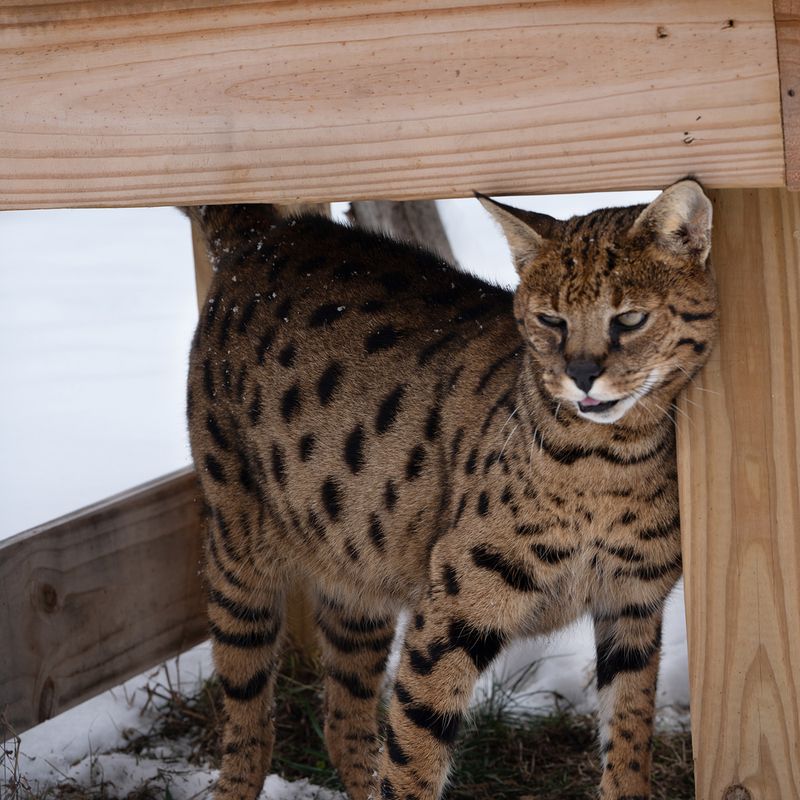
[(96, 314)]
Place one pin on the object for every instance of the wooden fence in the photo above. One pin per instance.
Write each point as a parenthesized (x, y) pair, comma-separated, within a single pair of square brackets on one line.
[(136, 103)]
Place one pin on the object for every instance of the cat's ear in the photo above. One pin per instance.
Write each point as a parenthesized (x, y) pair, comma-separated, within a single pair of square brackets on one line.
[(679, 220), (525, 231)]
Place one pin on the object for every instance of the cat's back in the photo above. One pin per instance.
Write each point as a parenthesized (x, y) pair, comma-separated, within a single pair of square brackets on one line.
[(343, 364)]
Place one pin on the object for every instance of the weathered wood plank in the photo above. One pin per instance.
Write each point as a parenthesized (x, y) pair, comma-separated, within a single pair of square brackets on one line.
[(410, 221), (739, 467), (180, 101), (787, 29), (97, 596)]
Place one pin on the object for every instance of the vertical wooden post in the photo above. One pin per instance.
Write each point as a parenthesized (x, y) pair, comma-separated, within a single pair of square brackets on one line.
[(739, 467)]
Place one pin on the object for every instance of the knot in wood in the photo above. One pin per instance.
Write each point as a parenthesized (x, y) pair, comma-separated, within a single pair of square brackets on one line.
[(737, 792)]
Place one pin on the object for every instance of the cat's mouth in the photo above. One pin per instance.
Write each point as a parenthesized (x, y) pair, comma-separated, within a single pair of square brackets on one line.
[(591, 406)]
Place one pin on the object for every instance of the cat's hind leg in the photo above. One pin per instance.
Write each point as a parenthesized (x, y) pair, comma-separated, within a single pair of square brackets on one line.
[(246, 610), (355, 647)]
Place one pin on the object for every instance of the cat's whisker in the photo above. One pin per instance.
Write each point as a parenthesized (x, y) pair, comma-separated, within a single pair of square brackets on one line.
[(508, 438), (509, 417)]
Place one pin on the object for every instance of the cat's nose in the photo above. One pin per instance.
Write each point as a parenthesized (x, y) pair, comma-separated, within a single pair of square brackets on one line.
[(584, 371)]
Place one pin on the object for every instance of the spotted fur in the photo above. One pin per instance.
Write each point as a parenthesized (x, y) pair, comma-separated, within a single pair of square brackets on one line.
[(371, 423)]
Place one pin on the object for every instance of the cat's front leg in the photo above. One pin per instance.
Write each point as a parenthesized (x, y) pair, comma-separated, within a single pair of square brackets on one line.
[(628, 651), (448, 644)]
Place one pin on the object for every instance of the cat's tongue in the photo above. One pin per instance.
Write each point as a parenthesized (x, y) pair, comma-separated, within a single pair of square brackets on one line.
[(590, 401)]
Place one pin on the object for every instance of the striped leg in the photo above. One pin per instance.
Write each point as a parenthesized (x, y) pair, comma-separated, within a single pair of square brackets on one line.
[(444, 653), (355, 647), (246, 619), (628, 652)]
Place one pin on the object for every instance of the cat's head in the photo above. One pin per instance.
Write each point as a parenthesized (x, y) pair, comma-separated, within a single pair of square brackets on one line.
[(618, 307)]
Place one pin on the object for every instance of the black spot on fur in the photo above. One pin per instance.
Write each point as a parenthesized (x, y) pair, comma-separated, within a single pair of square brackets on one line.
[(389, 409), (214, 469), (482, 646), (382, 339), (483, 504), (698, 347), (450, 580), (387, 790), (306, 446), (416, 459), (396, 753), (246, 691), (443, 727), (376, 532), (278, 465), (220, 439), (612, 660), (419, 622), (432, 424), (315, 524), (329, 382), (472, 460), (284, 308), (332, 498), (354, 449), (326, 314), (552, 555), (351, 550), (352, 683), (513, 574), (390, 496), (287, 355), (247, 315), (290, 403)]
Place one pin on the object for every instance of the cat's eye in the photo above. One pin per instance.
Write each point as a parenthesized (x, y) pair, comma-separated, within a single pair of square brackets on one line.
[(551, 322), (631, 320)]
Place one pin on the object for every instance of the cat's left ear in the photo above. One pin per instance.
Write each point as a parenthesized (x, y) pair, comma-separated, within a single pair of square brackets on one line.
[(679, 220), (525, 231)]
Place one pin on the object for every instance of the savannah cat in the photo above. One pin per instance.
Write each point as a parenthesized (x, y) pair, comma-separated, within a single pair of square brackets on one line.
[(392, 433)]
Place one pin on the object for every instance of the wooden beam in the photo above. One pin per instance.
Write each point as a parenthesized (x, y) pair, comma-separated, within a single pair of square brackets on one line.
[(739, 468), (415, 221), (98, 596), (148, 102), (787, 29)]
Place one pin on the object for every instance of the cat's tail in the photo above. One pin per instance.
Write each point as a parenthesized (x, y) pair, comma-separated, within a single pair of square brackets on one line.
[(227, 229), (214, 218)]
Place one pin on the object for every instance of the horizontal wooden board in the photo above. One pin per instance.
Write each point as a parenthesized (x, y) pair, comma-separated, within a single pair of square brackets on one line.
[(98, 596), (112, 103)]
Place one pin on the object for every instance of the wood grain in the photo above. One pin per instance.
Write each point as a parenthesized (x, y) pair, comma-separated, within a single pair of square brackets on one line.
[(98, 596), (787, 29), (148, 102), (739, 467)]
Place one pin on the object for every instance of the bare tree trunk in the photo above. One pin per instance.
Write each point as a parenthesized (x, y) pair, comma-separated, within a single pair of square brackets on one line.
[(415, 221)]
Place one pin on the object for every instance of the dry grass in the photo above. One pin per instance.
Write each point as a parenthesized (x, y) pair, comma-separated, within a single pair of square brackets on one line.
[(504, 752)]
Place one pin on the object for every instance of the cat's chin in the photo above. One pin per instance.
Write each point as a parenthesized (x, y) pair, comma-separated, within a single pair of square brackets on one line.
[(605, 414)]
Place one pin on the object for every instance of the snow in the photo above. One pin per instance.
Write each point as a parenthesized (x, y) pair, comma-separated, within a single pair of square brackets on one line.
[(97, 309)]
